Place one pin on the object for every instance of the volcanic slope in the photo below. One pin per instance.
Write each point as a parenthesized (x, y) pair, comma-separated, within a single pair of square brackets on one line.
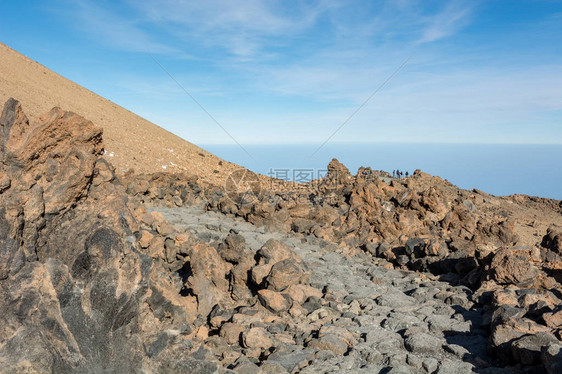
[(125, 133)]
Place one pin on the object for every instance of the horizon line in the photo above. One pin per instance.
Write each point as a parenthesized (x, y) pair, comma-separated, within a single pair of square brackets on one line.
[(378, 142)]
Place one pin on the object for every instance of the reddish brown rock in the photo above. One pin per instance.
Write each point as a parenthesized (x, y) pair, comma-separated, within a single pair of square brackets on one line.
[(273, 301), (231, 332), (268, 255), (233, 248), (146, 238), (208, 280), (257, 337), (512, 266), (553, 319), (273, 252), (76, 285), (284, 274), (298, 293)]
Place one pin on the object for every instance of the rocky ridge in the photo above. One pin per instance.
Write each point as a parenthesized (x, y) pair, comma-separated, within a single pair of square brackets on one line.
[(167, 273)]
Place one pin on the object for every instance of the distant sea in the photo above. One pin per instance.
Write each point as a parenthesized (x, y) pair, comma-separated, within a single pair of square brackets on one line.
[(499, 169)]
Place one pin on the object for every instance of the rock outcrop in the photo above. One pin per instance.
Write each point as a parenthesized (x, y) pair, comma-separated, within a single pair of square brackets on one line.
[(79, 293), (72, 281), (164, 273)]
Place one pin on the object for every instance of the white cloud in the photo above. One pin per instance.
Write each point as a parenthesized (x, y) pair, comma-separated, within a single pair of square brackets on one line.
[(107, 27), (449, 21), (261, 48), (241, 28), (465, 105), (248, 30)]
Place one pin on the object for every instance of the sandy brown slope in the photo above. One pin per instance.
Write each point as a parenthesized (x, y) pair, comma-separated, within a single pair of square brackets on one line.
[(131, 141)]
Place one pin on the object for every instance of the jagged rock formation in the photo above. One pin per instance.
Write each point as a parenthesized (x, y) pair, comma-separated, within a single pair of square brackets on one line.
[(78, 292), (166, 273), (425, 224)]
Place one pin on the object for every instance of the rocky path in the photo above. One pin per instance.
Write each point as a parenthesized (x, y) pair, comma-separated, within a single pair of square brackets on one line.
[(394, 321)]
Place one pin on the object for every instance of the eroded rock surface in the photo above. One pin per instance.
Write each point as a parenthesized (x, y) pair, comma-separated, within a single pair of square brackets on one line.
[(164, 273), (356, 315), (79, 294)]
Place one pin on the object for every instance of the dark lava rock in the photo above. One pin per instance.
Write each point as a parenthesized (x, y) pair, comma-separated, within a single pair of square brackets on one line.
[(553, 239), (527, 349)]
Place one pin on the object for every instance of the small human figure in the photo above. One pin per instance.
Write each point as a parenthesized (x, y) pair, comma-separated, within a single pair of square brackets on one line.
[(406, 174), (393, 173)]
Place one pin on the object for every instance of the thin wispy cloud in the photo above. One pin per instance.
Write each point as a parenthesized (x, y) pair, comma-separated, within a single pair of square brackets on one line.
[(258, 27), (242, 29), (447, 22), (288, 71), (110, 28)]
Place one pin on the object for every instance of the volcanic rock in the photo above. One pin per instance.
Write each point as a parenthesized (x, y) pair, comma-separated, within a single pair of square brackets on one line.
[(257, 337), (273, 301), (527, 349), (330, 342), (512, 266), (551, 358), (284, 274), (231, 332), (164, 273), (553, 239)]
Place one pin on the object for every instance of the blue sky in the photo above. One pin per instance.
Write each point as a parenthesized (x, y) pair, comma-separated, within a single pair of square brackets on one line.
[(294, 71)]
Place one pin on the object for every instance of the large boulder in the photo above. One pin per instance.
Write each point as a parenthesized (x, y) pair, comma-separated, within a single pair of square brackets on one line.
[(513, 266), (508, 324), (271, 253), (285, 274), (233, 250), (337, 177), (79, 293), (208, 278)]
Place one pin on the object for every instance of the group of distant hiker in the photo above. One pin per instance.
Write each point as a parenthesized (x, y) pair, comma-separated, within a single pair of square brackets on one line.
[(398, 174)]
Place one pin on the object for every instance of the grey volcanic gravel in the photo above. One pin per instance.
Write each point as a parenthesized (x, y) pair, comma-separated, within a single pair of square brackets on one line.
[(393, 321)]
